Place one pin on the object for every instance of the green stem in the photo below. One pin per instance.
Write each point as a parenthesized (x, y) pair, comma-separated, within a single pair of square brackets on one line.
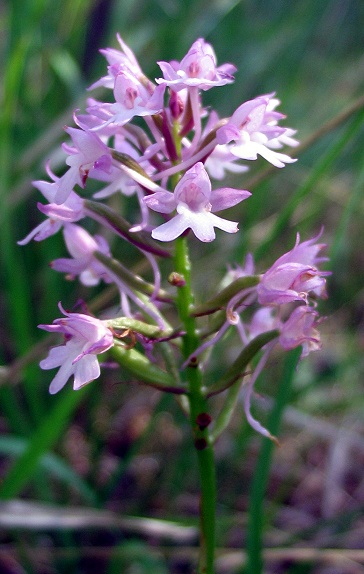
[(199, 417)]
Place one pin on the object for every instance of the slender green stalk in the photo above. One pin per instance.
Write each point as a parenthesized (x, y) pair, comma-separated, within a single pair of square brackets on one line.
[(199, 417)]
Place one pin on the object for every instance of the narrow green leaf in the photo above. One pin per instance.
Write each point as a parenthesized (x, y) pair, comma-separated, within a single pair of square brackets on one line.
[(261, 473), (221, 299), (43, 439), (236, 370), (147, 372), (50, 463)]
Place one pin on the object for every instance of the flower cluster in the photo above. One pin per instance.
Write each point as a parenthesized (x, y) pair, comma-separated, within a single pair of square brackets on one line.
[(286, 295), (164, 161)]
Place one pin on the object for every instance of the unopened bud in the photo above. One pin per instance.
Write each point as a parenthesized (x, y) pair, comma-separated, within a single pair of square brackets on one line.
[(175, 105), (203, 420), (176, 279), (200, 443)]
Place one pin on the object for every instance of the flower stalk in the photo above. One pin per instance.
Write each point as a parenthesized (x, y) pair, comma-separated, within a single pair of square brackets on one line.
[(199, 414)]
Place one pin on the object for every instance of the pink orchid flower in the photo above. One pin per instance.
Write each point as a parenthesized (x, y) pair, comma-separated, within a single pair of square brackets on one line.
[(88, 152), (118, 60), (299, 329), (196, 70), (294, 275), (57, 215), (132, 98), (252, 128), (81, 246), (85, 337), (194, 202)]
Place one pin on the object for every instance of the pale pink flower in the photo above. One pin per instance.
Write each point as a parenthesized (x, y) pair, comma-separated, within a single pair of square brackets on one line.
[(132, 98), (88, 152), (118, 60), (272, 117), (196, 70), (254, 132), (194, 202), (220, 161), (85, 337), (295, 275), (300, 329), (88, 122), (82, 246), (57, 215)]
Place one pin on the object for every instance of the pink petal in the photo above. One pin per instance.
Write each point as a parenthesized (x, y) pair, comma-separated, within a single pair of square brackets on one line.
[(56, 356), (225, 197), (86, 370), (61, 377), (171, 229), (161, 201), (223, 224)]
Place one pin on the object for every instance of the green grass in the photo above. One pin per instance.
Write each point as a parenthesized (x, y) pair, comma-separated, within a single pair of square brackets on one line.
[(125, 459)]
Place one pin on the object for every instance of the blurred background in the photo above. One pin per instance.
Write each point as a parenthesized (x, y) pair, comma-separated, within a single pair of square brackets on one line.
[(80, 465)]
